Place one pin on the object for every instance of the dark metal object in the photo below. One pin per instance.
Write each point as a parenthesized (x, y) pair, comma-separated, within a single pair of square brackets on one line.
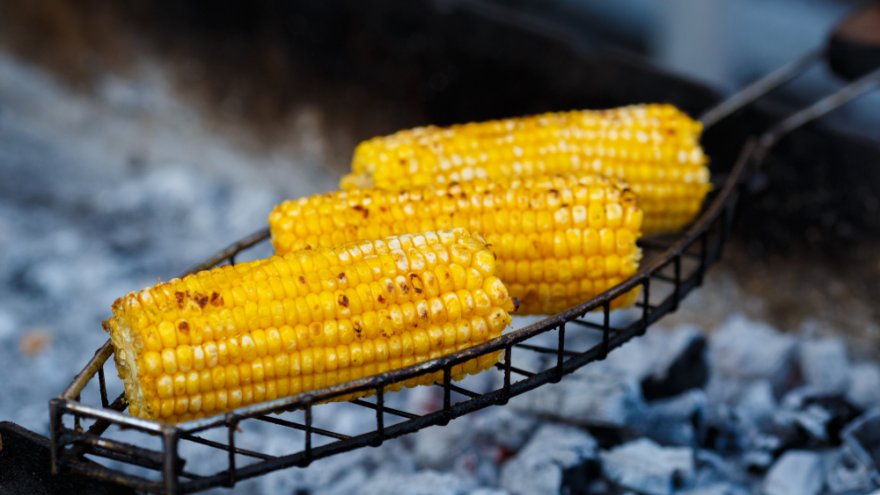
[(854, 47), (24, 468)]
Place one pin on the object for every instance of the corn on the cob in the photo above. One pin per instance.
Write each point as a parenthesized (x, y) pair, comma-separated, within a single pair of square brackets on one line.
[(559, 239), (237, 335), (654, 148)]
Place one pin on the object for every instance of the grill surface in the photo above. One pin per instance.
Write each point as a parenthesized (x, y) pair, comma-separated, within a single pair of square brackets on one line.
[(674, 266)]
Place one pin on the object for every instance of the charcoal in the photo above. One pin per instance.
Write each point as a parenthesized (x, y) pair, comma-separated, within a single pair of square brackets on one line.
[(438, 446), (347, 484), (720, 488), (758, 460), (747, 350), (555, 457), (824, 364), (814, 420), (742, 419), (797, 472), (646, 467), (343, 470), (666, 363), (480, 465), (846, 475), (425, 482), (756, 404), (687, 370), (503, 427), (487, 491), (713, 468), (864, 385), (819, 415), (862, 440), (595, 395), (676, 421)]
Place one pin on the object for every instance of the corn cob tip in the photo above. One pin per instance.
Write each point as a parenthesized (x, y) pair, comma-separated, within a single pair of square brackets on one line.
[(355, 181)]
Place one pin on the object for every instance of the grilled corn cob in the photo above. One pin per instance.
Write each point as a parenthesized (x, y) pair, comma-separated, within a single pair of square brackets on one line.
[(237, 335), (654, 148), (559, 239)]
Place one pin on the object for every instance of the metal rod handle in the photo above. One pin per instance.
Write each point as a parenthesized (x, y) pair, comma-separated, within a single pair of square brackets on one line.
[(835, 100), (759, 88)]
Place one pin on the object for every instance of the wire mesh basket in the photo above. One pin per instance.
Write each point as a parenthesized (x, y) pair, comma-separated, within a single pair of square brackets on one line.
[(673, 268)]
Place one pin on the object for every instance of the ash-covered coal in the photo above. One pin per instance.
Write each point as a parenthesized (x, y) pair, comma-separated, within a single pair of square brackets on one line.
[(105, 193)]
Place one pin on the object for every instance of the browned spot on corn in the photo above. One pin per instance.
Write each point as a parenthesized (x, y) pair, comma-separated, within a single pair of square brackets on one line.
[(201, 300), (362, 210), (416, 281)]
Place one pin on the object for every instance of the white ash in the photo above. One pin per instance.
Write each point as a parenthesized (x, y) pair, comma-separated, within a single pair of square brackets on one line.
[(863, 388), (542, 464), (422, 483), (824, 364), (716, 489), (846, 475), (756, 404), (796, 473), (862, 440), (745, 350), (647, 467), (676, 421), (596, 395)]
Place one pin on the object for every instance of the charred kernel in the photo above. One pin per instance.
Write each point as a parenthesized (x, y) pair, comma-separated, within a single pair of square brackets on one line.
[(416, 282), (201, 300)]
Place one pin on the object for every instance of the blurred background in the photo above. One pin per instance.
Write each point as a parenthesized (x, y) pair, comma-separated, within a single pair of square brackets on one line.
[(137, 138)]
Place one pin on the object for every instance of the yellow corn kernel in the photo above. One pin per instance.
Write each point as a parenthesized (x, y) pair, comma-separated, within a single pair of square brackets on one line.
[(267, 347), (543, 231), (653, 147)]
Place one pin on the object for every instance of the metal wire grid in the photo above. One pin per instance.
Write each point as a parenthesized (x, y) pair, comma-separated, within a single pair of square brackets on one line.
[(672, 270)]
